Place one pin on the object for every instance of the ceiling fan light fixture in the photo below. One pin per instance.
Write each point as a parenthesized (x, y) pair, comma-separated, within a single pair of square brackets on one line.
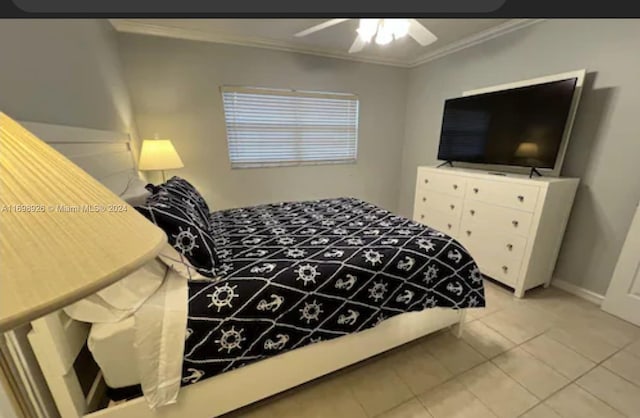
[(398, 27), (368, 29), (384, 35)]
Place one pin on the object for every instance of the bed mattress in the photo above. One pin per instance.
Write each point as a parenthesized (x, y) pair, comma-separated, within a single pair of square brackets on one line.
[(112, 346)]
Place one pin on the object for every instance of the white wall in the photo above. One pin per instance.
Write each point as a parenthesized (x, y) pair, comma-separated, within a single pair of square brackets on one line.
[(66, 72), (62, 72), (175, 85), (605, 147)]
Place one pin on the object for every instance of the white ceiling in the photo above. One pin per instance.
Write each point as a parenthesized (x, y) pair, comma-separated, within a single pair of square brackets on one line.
[(453, 35)]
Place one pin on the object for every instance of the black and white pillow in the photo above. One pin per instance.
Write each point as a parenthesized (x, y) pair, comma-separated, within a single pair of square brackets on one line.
[(180, 188), (192, 251)]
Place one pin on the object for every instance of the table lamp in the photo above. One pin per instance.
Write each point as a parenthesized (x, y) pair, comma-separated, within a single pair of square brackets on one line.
[(159, 154), (63, 235)]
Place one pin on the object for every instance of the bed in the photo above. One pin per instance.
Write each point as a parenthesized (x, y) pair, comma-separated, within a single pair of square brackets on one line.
[(322, 302)]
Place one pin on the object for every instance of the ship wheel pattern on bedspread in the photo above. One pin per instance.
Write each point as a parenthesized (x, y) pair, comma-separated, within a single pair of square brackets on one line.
[(297, 273)]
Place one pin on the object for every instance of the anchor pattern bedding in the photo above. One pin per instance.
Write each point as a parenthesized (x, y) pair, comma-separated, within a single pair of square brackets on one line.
[(297, 273)]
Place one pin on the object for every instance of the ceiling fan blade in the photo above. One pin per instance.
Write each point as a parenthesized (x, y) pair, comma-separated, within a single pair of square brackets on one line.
[(357, 45), (421, 34), (323, 25)]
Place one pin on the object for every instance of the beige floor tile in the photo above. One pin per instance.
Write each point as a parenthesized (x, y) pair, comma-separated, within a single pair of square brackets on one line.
[(310, 400), (262, 410), (579, 337), (485, 340), (334, 407), (564, 360), (574, 402), (378, 388), (533, 374), (618, 332), (634, 348), (418, 369), (472, 314), (575, 336), (282, 406), (504, 396), (626, 365), (497, 296), (453, 400), (496, 299), (454, 353), (410, 409), (519, 322), (613, 389), (541, 411), (559, 302)]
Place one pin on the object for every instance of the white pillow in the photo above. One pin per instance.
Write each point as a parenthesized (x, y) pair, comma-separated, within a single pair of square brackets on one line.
[(122, 298), (135, 193)]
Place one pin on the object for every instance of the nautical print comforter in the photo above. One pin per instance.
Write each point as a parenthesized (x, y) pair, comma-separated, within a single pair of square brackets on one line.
[(298, 273)]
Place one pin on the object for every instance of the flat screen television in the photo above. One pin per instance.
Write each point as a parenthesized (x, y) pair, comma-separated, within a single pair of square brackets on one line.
[(517, 127)]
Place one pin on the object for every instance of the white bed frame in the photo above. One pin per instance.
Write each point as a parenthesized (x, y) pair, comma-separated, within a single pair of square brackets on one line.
[(57, 340)]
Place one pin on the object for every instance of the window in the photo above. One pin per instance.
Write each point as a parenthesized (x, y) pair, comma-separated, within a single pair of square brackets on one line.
[(267, 127)]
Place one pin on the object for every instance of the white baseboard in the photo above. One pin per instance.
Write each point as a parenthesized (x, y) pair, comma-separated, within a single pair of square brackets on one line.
[(578, 291)]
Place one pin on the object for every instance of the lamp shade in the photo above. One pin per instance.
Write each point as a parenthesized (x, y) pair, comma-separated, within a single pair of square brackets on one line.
[(63, 235), (159, 154)]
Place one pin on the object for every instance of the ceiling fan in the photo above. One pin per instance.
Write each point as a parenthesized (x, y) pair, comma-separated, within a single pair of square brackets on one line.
[(384, 30)]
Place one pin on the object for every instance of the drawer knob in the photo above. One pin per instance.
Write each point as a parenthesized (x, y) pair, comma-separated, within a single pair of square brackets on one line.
[(509, 247), (426, 181), (472, 212), (455, 187), (449, 226), (476, 190), (421, 216), (468, 232), (452, 207), (505, 269), (521, 198), (424, 199), (515, 223)]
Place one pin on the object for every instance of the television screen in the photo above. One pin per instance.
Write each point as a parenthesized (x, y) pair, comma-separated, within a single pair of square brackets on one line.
[(520, 127)]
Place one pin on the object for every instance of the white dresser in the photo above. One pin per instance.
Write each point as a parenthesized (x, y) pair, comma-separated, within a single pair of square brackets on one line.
[(512, 225)]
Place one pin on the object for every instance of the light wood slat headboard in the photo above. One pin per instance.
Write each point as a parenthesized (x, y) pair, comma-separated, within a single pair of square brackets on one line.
[(105, 155), (56, 339)]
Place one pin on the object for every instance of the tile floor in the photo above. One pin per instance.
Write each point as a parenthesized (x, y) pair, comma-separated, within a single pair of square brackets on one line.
[(546, 356)]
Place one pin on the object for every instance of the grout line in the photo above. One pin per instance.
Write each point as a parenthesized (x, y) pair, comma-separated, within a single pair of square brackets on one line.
[(600, 364)]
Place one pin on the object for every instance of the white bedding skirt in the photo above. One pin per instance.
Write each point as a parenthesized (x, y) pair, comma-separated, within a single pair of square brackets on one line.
[(147, 347)]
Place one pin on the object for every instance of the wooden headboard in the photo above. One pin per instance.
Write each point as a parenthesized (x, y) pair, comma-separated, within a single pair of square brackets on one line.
[(58, 341), (105, 155)]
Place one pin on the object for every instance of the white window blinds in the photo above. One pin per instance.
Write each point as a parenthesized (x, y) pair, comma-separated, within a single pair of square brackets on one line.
[(268, 127)]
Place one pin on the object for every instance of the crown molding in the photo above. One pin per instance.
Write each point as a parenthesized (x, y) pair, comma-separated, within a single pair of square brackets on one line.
[(137, 27), (130, 26), (476, 39)]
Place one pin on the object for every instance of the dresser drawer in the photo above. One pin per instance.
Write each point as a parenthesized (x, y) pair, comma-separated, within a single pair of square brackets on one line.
[(503, 270), (440, 182), (512, 195), (496, 217), (429, 200), (501, 244), (441, 221)]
